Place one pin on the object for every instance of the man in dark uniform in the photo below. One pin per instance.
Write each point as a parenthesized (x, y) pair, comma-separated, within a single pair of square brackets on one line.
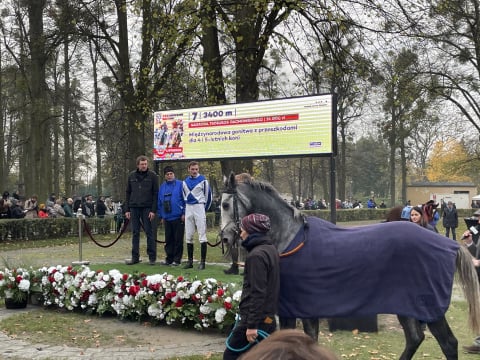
[(141, 208)]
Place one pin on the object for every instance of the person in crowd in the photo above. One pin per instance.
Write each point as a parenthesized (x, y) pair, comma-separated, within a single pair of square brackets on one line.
[(198, 198), (52, 212), (110, 208), (141, 207), (382, 205), (68, 207), (5, 211), (371, 204), (261, 287), (417, 217), (431, 214), (118, 216), (289, 344), (171, 212), (42, 211), (469, 242), (100, 207), (16, 209), (450, 220), (58, 207), (6, 195), (31, 207), (88, 206)]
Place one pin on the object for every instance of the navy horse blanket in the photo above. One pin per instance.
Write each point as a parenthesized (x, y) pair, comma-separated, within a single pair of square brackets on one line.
[(387, 268)]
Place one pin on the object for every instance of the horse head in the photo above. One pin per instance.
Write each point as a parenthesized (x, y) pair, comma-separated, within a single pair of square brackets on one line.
[(232, 210), (242, 196)]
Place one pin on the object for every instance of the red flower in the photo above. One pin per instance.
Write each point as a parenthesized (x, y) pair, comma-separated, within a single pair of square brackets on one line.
[(125, 277), (220, 292), (133, 290), (209, 299), (144, 282), (18, 278), (179, 303), (227, 305), (1, 276), (180, 278)]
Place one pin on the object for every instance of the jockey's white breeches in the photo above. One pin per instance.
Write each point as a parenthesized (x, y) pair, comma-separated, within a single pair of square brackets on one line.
[(195, 216)]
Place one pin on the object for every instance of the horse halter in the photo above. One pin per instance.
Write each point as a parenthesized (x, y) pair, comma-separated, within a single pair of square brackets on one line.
[(236, 216)]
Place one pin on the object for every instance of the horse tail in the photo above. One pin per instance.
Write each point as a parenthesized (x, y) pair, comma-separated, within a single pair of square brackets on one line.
[(469, 283)]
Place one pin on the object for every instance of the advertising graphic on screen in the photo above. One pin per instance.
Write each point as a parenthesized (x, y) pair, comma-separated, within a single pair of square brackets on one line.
[(286, 127)]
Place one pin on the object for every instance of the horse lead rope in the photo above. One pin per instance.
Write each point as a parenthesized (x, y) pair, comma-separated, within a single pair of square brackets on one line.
[(260, 332)]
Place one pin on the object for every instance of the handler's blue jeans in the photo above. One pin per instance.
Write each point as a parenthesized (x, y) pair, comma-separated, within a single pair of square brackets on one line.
[(139, 218)]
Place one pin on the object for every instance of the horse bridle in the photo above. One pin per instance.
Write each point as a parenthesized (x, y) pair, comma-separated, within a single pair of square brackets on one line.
[(236, 216)]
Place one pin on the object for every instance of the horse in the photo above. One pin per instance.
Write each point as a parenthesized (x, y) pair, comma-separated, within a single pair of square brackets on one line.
[(329, 271)]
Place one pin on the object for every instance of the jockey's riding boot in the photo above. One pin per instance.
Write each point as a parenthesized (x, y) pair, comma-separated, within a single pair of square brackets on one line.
[(203, 256), (189, 263), (233, 270)]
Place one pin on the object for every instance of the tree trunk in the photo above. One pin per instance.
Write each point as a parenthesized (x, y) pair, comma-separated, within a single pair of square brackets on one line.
[(39, 155), (67, 158)]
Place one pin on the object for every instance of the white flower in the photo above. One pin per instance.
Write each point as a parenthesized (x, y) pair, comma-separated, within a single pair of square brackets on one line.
[(220, 314), (24, 285), (237, 295)]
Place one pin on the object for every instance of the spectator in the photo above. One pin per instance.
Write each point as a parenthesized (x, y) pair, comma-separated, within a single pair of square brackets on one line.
[(58, 207), (371, 204), (16, 210), (417, 217), (42, 211), (31, 207), (88, 206), (141, 208), (450, 220), (382, 205), (67, 207), (101, 208), (5, 212)]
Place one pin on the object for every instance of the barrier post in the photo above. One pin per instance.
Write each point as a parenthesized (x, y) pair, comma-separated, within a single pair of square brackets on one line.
[(80, 233)]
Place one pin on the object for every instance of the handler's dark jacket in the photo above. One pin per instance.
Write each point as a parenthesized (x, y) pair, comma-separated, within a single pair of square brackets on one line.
[(142, 190), (261, 281)]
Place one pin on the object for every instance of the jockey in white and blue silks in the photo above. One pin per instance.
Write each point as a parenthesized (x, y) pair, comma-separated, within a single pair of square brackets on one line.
[(198, 198)]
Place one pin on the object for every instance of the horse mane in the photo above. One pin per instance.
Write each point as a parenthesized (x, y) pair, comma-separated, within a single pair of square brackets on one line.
[(270, 190)]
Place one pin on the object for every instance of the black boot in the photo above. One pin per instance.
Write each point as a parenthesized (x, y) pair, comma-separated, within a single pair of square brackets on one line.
[(203, 256), (189, 263), (233, 270)]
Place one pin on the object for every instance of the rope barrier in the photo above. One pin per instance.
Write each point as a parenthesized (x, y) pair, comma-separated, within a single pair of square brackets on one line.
[(124, 228)]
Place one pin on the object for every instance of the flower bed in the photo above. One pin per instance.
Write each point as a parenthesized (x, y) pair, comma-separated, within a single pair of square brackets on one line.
[(160, 298)]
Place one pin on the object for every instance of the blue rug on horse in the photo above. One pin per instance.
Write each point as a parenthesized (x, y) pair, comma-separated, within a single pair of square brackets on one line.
[(388, 268)]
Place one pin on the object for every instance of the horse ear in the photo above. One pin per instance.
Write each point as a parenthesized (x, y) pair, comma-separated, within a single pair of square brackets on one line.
[(230, 182)]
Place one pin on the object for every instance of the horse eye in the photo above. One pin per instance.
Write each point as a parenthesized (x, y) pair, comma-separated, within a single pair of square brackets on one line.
[(225, 205)]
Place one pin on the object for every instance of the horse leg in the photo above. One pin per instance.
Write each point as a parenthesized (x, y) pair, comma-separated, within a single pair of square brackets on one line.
[(287, 323), (445, 338), (311, 328), (414, 336)]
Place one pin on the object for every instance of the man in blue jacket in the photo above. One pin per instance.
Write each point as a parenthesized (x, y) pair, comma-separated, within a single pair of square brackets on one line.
[(140, 208), (198, 198), (171, 212)]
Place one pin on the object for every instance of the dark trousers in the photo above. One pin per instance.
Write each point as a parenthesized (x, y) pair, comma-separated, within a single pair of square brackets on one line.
[(174, 231), (237, 340), (447, 232), (139, 218)]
